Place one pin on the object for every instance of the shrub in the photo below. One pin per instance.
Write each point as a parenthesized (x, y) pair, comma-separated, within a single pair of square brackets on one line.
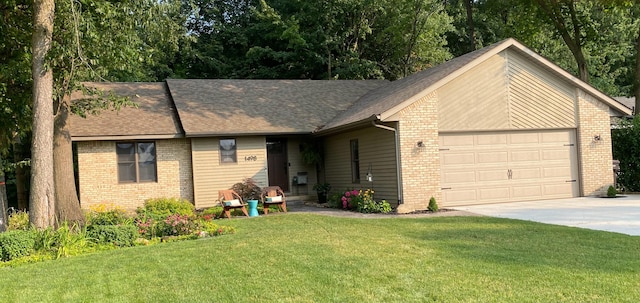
[(161, 208), (625, 144), (247, 189), (15, 244), (18, 221), (362, 201), (176, 225), (118, 235), (433, 206), (611, 191), (334, 200), (211, 213), (101, 215)]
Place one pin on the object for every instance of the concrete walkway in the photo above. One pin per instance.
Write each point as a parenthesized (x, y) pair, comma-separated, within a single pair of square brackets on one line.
[(620, 215)]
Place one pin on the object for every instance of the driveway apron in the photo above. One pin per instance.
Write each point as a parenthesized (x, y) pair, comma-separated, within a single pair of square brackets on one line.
[(620, 215)]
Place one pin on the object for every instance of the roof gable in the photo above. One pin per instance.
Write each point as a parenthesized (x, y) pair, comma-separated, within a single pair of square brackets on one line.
[(153, 118), (383, 103)]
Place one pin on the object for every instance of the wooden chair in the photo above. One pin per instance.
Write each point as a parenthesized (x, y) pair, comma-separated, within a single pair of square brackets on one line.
[(273, 195), (231, 200)]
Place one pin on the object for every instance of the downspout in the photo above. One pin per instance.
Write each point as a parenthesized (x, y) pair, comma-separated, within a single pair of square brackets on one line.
[(398, 171)]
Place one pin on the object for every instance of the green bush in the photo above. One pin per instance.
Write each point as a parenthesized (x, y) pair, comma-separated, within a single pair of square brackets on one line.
[(118, 235), (611, 191), (433, 206), (625, 145), (15, 244), (334, 201), (108, 217), (161, 208), (18, 221)]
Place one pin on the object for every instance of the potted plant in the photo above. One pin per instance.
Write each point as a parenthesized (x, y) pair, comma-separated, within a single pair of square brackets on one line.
[(323, 191), (250, 193)]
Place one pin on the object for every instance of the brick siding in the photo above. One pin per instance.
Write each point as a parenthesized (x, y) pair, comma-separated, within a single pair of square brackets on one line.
[(594, 156), (420, 165), (98, 175)]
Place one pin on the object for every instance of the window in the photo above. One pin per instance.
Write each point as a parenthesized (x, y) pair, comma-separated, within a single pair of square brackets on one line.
[(136, 162), (228, 153), (355, 162)]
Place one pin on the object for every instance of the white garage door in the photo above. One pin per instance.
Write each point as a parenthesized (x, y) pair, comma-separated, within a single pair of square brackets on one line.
[(494, 167)]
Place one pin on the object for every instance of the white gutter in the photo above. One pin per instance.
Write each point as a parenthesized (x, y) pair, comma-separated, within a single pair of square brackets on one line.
[(398, 171)]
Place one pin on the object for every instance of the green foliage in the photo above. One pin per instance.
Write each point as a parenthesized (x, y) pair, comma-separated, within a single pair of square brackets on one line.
[(18, 221), (118, 235), (611, 191), (322, 187), (247, 189), (160, 208), (334, 201), (113, 216), (433, 206), (362, 201), (15, 244), (626, 148)]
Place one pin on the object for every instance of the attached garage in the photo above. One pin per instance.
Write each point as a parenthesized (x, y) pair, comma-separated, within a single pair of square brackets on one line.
[(492, 167)]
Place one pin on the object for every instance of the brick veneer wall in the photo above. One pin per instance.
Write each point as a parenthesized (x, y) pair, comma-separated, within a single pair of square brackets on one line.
[(420, 165), (594, 156), (98, 174)]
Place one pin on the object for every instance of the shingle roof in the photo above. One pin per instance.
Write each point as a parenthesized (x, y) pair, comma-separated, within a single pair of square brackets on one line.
[(154, 117), (228, 107)]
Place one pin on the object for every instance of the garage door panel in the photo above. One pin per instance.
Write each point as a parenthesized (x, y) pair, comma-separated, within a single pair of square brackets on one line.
[(558, 189), (560, 172), (459, 196), (458, 159), (459, 177), (525, 155), (491, 140), (496, 193), (489, 175), (492, 157), (532, 174), (556, 154), (524, 138), (523, 192), (508, 166)]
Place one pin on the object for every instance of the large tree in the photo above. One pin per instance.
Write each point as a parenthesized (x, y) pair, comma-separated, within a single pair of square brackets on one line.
[(42, 199)]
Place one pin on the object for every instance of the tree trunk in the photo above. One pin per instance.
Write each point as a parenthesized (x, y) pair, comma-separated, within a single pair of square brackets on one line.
[(636, 82), (468, 4), (42, 198), (4, 204), (67, 203), (20, 153)]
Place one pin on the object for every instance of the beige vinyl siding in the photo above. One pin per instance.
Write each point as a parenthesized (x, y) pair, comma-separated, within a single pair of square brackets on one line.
[(537, 98), (210, 176), (296, 165), (377, 148), (508, 92), (480, 92)]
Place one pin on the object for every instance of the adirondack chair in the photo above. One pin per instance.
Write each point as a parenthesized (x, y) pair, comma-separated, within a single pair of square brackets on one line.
[(273, 195), (231, 200)]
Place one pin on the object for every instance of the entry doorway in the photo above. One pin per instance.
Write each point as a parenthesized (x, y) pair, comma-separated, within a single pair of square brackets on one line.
[(277, 162)]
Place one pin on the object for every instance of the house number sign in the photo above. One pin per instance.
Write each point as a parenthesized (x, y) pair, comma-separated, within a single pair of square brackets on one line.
[(251, 158)]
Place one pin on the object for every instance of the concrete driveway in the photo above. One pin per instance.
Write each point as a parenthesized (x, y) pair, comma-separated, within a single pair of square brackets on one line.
[(620, 215)]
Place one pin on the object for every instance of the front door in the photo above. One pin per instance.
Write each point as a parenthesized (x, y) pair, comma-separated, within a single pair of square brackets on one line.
[(277, 163)]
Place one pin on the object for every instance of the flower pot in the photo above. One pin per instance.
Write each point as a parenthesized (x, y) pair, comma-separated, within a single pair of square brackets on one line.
[(253, 208), (322, 197)]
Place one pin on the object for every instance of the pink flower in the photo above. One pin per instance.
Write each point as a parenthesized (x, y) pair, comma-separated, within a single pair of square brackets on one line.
[(344, 203), (344, 198), (354, 192), (347, 194)]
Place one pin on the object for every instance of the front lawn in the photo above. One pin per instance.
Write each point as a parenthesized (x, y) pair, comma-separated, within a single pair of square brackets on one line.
[(312, 258)]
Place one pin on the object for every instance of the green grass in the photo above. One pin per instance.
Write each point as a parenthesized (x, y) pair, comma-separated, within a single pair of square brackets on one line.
[(311, 258)]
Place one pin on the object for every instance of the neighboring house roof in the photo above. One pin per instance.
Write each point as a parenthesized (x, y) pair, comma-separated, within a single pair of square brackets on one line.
[(629, 102), (390, 99), (232, 107), (154, 118)]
